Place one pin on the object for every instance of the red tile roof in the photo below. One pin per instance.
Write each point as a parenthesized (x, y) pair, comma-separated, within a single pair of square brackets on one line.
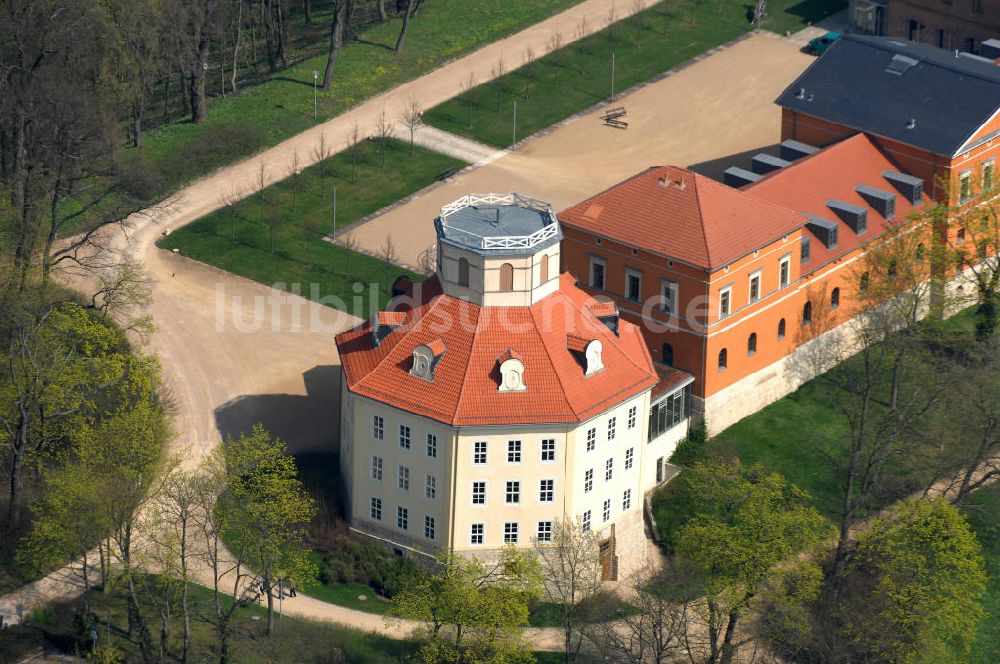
[(682, 215), (465, 387), (670, 380), (578, 344), (604, 309), (395, 318), (833, 173), (437, 347)]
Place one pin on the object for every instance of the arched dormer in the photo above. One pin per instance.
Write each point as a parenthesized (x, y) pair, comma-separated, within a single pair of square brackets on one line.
[(511, 372), (587, 350), (426, 358)]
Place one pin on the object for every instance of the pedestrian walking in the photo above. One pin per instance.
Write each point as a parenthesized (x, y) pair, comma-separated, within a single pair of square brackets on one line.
[(291, 589)]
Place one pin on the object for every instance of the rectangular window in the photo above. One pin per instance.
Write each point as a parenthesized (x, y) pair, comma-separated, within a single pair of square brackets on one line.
[(402, 518), (591, 439), (629, 458), (510, 533), (588, 481), (430, 487), (476, 533), (585, 522), (479, 493), (432, 446), (404, 436), (597, 273), (632, 416), (988, 175), (804, 250), (513, 493), (479, 453), (668, 296), (755, 287), (378, 427), (549, 449), (965, 187), (633, 285), (513, 451), (607, 510), (784, 271), (544, 531), (609, 469), (377, 468), (627, 500), (403, 478), (612, 424), (429, 527), (725, 302), (376, 509), (667, 413), (546, 491)]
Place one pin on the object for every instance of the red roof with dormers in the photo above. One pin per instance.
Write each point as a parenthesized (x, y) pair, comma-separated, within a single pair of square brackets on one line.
[(682, 215), (465, 391), (834, 173)]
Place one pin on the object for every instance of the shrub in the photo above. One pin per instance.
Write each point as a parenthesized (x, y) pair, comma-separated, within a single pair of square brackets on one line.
[(693, 448), (367, 563)]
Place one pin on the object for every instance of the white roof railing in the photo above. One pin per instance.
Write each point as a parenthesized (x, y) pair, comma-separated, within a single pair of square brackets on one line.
[(510, 241)]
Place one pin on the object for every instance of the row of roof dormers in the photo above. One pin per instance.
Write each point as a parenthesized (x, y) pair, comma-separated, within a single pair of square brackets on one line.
[(563, 359), (844, 189)]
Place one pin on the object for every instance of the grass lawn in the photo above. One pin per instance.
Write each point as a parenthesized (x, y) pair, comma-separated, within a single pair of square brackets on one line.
[(285, 247), (983, 512), (579, 75), (282, 105)]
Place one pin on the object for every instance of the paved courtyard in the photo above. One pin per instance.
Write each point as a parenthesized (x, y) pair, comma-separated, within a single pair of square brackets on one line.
[(721, 105)]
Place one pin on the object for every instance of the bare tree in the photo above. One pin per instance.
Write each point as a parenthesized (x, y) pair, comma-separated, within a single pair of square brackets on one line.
[(353, 144), (412, 117), (498, 73), (468, 86), (294, 171), (350, 244), (571, 571), (230, 199), (427, 261), (556, 54), (383, 132), (529, 69), (387, 254)]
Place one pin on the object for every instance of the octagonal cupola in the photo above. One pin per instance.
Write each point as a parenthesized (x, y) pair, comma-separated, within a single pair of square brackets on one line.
[(498, 249)]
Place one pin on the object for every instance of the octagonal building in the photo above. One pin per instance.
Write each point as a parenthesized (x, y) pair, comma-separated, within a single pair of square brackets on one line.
[(498, 397)]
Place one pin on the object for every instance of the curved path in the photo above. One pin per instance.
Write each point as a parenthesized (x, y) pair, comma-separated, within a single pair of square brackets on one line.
[(235, 352)]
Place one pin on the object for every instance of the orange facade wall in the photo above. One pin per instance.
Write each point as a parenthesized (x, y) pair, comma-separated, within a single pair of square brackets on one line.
[(933, 169)]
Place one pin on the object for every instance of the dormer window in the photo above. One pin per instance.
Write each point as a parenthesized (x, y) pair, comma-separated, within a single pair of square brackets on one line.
[(588, 351), (426, 358), (511, 372), (385, 322)]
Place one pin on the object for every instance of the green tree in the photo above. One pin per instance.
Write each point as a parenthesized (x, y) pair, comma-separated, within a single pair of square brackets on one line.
[(571, 572), (747, 523), (914, 585), (266, 511), (473, 611)]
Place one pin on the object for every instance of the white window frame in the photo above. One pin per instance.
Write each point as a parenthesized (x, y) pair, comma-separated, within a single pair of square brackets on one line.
[(591, 439), (784, 270), (512, 488), (725, 297), (606, 511), (629, 458), (633, 414), (627, 500), (378, 427), (402, 518), (544, 531), (758, 276), (377, 466), (612, 428), (429, 527), (551, 452), (595, 260), (432, 446), (472, 494), (543, 492), (609, 469), (403, 478), (514, 449), (511, 532), (473, 534), (629, 273), (991, 164), (669, 291), (585, 522), (476, 453), (588, 480), (965, 182), (430, 487), (375, 508), (405, 436)]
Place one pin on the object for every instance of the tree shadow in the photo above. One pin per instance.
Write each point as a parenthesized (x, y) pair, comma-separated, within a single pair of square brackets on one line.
[(714, 168), (306, 423), (359, 40)]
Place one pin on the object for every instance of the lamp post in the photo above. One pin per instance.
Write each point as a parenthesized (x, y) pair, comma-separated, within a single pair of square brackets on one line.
[(315, 78)]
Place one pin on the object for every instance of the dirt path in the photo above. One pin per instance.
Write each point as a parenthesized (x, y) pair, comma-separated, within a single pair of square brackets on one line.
[(710, 115)]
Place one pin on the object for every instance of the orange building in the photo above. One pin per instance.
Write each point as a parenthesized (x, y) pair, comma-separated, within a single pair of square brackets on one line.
[(727, 283), (933, 111)]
